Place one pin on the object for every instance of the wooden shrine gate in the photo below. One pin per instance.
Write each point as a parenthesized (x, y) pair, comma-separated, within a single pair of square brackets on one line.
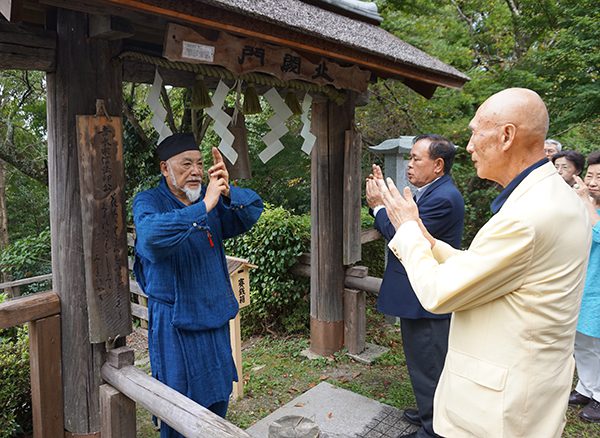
[(80, 45)]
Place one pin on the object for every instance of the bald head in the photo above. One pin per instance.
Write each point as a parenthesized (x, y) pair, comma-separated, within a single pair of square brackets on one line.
[(522, 107), (509, 130)]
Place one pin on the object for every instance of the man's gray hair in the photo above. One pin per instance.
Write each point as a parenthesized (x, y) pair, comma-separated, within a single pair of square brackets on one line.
[(554, 143)]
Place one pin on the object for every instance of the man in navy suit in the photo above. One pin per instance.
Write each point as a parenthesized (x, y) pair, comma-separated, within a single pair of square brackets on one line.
[(442, 210)]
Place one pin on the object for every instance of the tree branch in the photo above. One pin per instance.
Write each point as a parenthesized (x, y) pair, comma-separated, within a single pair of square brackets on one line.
[(130, 116), (10, 154)]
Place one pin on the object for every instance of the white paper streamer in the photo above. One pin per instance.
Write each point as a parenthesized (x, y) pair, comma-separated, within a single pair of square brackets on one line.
[(158, 111), (222, 120), (277, 125), (309, 137)]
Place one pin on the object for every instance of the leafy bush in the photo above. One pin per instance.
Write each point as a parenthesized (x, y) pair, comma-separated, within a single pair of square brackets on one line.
[(28, 257), (15, 396), (279, 300), (372, 252)]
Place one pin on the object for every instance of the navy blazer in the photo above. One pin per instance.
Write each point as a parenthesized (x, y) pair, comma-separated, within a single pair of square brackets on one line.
[(442, 210)]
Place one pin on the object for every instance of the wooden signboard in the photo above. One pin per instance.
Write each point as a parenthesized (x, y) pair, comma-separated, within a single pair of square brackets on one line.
[(102, 184), (239, 275), (243, 55)]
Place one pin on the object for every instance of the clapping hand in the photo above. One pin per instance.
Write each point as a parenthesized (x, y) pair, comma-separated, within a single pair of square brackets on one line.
[(373, 194), (401, 207)]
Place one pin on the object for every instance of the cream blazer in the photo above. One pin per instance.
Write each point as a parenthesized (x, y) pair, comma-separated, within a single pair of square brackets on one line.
[(515, 296)]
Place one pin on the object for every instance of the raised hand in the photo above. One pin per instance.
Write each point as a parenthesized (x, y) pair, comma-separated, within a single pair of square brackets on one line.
[(216, 188), (373, 195), (581, 188), (400, 207), (377, 173), (218, 170)]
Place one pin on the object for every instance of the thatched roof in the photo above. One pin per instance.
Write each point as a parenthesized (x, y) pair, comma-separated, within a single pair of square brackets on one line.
[(325, 24)]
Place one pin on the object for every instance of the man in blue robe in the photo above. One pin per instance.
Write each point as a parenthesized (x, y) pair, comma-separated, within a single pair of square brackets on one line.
[(181, 266)]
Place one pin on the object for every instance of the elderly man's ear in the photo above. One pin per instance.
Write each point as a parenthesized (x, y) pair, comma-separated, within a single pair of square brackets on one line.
[(509, 131)]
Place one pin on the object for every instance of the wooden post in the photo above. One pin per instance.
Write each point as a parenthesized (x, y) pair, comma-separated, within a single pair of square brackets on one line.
[(117, 411), (355, 320), (352, 197), (235, 334), (329, 124), (46, 381), (86, 70)]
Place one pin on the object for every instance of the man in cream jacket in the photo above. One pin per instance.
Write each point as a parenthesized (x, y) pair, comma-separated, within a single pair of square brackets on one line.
[(515, 293)]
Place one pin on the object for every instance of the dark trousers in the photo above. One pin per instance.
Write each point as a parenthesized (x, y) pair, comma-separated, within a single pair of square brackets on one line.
[(425, 346)]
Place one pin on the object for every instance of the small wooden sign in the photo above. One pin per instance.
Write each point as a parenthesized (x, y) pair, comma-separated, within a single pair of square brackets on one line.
[(240, 282), (102, 183), (244, 55)]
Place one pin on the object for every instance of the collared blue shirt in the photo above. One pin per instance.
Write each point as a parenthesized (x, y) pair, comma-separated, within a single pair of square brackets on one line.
[(503, 196)]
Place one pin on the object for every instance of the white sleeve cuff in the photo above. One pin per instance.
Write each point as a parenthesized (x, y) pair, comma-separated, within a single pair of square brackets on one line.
[(376, 209)]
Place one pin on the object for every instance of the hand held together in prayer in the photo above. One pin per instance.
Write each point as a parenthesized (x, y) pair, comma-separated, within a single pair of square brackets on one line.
[(218, 181), (400, 207)]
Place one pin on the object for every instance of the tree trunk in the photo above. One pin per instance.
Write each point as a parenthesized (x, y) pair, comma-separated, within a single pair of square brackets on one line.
[(12, 292)]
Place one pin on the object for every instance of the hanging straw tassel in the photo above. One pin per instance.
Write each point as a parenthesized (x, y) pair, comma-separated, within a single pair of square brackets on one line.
[(291, 100), (200, 97), (251, 102)]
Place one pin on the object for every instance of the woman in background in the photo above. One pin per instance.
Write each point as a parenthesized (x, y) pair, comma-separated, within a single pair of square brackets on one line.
[(587, 338)]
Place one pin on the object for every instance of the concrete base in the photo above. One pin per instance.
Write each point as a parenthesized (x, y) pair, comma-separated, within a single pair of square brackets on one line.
[(369, 354), (307, 353), (340, 414)]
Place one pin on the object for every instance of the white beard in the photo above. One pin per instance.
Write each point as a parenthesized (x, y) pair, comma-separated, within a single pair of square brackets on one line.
[(192, 194)]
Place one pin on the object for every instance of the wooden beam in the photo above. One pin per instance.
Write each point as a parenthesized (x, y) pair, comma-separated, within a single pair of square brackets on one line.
[(110, 27), (24, 281), (204, 15), (366, 283), (181, 413), (28, 308), (25, 48), (142, 73), (369, 235), (46, 380)]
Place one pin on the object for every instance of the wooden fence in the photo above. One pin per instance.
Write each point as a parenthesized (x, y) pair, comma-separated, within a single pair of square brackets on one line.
[(41, 312), (126, 385)]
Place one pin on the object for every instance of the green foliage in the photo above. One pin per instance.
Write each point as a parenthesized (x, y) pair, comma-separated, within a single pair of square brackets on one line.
[(279, 300), (372, 252), (28, 257), (15, 397), (27, 204)]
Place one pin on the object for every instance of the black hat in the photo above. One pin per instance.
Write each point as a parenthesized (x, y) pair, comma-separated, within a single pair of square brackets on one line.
[(175, 144)]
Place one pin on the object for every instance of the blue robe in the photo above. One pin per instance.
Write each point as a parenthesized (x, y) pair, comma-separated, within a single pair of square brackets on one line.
[(180, 264)]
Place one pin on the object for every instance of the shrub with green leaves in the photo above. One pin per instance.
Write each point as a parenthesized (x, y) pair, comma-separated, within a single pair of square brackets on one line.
[(15, 395), (28, 257), (279, 300)]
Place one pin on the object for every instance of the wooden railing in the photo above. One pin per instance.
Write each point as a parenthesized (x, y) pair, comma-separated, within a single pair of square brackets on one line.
[(42, 313), (127, 385)]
